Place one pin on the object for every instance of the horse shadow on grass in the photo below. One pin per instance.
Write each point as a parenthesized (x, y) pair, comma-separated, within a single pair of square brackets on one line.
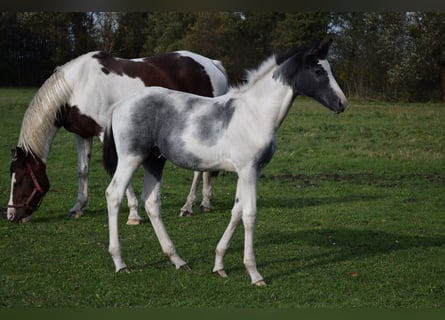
[(346, 243)]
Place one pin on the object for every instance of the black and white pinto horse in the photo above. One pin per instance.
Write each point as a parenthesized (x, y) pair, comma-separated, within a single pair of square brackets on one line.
[(78, 97), (233, 132)]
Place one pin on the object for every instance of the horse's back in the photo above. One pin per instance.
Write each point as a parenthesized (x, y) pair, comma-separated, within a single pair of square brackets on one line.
[(214, 69)]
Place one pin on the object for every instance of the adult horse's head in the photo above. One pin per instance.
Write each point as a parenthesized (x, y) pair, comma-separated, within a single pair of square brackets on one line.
[(308, 72), (29, 183)]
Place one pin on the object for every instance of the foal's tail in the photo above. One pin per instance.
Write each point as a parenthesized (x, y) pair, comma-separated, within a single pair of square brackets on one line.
[(109, 153)]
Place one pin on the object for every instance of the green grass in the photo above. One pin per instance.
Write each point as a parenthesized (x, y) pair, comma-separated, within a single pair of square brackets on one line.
[(351, 214)]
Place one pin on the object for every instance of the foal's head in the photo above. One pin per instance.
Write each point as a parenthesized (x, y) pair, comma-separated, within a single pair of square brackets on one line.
[(29, 183), (307, 71)]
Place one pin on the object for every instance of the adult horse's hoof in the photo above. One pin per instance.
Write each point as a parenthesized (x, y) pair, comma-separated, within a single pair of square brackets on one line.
[(204, 209), (124, 270), (221, 273), (134, 222), (186, 213), (75, 214)]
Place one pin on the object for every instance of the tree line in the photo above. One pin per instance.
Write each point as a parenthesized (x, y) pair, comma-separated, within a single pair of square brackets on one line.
[(391, 56)]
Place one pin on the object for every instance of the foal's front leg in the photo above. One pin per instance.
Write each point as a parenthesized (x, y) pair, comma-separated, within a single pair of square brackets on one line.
[(245, 210), (248, 184), (224, 242)]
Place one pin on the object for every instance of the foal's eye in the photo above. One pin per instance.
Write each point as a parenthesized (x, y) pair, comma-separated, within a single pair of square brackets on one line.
[(319, 71)]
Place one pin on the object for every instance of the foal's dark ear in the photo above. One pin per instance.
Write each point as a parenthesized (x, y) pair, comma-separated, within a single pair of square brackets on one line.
[(320, 50), (324, 48)]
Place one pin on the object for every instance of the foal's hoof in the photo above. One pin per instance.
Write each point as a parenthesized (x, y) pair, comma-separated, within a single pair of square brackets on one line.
[(204, 209), (134, 222), (75, 214), (186, 213), (124, 270), (185, 267), (260, 283), (221, 273)]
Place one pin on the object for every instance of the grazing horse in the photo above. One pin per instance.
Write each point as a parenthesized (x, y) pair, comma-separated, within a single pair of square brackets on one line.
[(78, 97), (233, 132)]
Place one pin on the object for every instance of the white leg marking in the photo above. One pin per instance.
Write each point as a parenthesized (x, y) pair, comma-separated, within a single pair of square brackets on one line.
[(10, 212)]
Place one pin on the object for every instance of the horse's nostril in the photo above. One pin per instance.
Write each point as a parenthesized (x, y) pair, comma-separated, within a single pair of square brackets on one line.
[(342, 105)]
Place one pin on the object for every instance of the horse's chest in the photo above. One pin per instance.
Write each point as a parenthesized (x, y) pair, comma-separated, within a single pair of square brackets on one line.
[(72, 120)]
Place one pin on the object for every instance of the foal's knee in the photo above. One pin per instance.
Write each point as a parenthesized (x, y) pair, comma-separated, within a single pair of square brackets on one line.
[(249, 221), (152, 206)]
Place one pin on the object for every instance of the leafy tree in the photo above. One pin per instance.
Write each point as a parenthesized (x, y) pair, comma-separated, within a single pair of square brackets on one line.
[(131, 34), (295, 29), (392, 55), (165, 31)]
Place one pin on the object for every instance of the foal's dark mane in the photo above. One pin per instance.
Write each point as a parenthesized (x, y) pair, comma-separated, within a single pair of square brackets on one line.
[(298, 51)]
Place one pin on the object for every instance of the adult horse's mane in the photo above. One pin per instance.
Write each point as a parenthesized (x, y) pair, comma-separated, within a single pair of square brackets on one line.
[(39, 118)]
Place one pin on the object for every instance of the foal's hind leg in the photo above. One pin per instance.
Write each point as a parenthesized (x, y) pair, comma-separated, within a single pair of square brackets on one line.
[(114, 194), (151, 196)]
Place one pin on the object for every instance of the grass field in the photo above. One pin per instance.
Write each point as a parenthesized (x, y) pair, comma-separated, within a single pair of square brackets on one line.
[(351, 214)]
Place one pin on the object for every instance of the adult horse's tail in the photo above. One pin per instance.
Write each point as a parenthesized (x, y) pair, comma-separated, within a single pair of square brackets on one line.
[(109, 152)]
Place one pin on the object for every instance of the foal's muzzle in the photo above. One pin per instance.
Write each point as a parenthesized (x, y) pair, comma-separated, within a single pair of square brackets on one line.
[(341, 106)]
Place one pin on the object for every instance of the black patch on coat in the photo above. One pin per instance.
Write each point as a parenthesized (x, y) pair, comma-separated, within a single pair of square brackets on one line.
[(72, 120), (215, 121), (265, 155), (169, 70), (157, 131)]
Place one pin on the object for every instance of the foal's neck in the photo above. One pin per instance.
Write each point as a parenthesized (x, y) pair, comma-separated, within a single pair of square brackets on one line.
[(271, 98)]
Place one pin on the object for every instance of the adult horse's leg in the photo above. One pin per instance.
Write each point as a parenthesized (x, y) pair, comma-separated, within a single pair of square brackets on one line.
[(151, 196), (207, 192), (83, 167), (133, 217), (84, 147), (187, 208), (114, 194)]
